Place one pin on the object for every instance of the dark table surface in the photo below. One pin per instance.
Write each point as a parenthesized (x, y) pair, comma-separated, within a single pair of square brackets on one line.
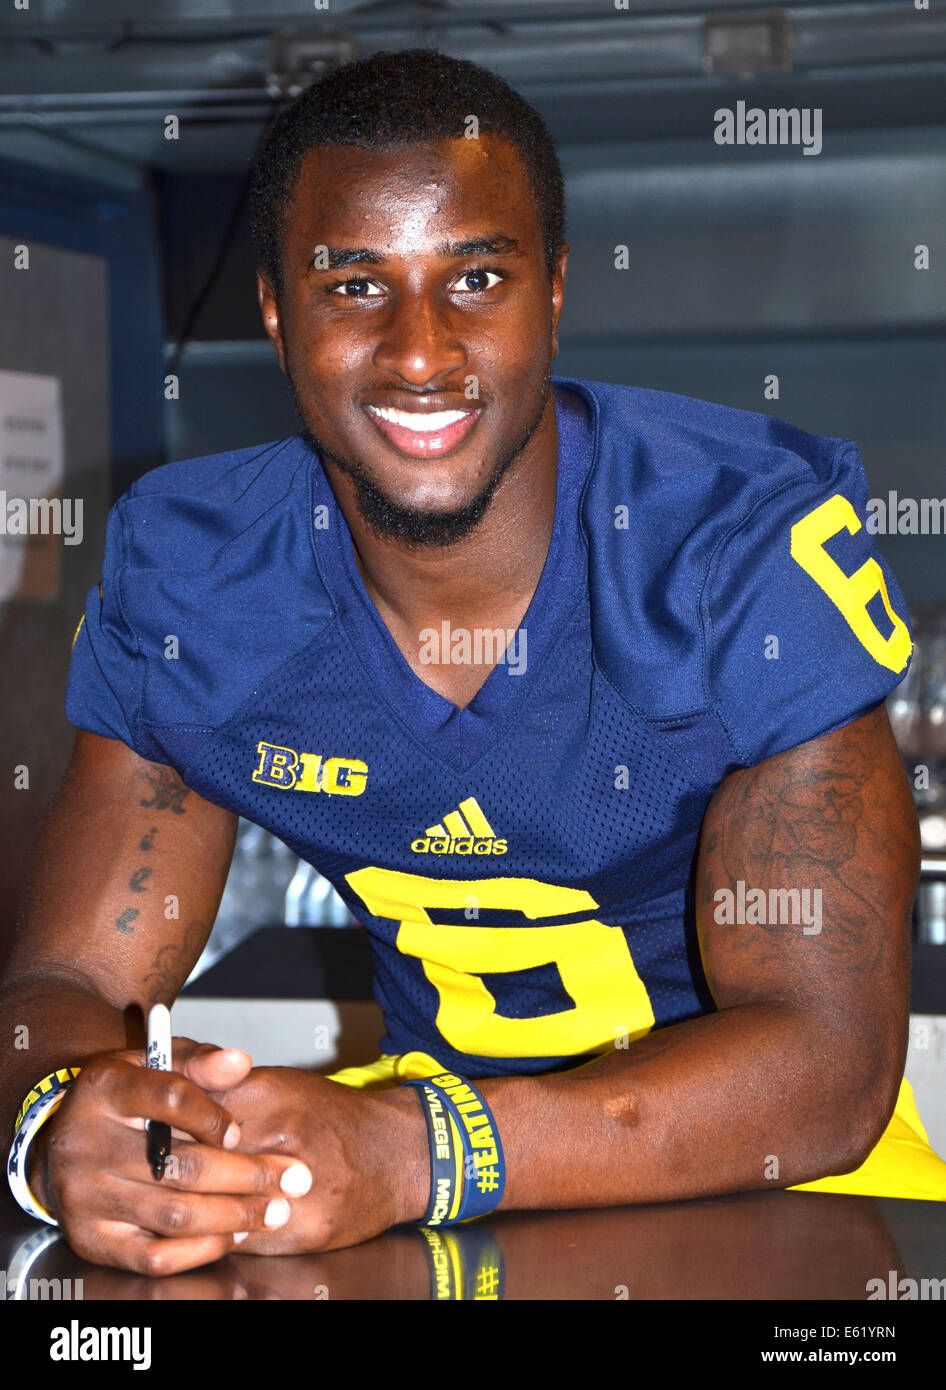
[(766, 1245)]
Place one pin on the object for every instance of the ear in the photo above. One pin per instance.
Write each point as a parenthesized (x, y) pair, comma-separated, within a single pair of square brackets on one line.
[(558, 292), (269, 308)]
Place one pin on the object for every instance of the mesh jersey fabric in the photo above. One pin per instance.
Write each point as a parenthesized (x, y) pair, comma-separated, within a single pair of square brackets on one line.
[(522, 866)]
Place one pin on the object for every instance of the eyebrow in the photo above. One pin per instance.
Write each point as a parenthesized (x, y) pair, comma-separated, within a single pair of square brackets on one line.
[(496, 244)]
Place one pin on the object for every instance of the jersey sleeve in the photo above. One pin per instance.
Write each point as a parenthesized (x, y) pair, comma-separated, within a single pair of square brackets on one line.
[(103, 686), (806, 627)]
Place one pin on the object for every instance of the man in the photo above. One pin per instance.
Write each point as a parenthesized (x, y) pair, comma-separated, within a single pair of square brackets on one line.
[(639, 867)]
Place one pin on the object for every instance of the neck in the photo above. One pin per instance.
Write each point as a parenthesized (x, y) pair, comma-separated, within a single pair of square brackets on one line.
[(493, 570)]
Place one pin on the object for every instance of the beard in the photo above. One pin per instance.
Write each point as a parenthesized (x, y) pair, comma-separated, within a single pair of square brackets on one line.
[(411, 526)]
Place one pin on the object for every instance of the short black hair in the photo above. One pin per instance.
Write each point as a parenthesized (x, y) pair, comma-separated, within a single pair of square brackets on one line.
[(406, 97)]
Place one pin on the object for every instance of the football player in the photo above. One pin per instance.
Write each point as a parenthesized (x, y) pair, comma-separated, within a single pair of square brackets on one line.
[(574, 691)]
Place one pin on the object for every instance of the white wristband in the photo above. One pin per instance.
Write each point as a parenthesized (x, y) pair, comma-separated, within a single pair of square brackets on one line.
[(38, 1113)]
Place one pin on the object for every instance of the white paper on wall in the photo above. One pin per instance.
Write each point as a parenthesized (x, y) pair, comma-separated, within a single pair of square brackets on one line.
[(34, 520)]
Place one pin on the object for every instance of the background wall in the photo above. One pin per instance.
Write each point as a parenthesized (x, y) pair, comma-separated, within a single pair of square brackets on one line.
[(85, 311)]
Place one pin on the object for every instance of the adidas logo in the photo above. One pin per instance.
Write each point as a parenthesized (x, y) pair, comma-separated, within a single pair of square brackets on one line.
[(464, 831)]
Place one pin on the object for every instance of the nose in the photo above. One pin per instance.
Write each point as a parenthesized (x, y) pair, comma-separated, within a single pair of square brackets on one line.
[(420, 341)]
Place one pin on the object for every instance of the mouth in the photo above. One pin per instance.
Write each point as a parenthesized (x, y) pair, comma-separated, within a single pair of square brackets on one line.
[(423, 434)]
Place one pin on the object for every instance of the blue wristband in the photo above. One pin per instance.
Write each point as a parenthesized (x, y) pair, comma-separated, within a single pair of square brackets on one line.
[(483, 1176), (446, 1158)]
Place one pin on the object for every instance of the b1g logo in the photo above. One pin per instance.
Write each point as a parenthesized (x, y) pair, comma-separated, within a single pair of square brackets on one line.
[(309, 772)]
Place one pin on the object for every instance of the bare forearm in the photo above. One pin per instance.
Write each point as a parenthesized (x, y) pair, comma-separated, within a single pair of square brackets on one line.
[(50, 1023), (122, 887), (699, 1108)]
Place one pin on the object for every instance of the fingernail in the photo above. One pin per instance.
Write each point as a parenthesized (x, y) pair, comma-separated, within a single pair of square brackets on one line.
[(277, 1213), (296, 1180), (232, 1136), (240, 1235)]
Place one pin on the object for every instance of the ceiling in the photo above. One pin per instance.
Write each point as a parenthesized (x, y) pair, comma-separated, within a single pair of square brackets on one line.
[(99, 87)]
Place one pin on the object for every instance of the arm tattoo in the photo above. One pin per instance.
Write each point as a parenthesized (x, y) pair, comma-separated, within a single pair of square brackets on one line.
[(172, 964), (124, 922), (802, 820), (168, 791), (137, 884)]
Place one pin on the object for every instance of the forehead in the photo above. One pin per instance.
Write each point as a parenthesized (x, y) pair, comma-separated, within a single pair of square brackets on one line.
[(408, 191)]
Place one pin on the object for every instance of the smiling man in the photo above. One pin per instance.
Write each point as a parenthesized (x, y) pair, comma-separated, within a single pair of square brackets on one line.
[(639, 904)]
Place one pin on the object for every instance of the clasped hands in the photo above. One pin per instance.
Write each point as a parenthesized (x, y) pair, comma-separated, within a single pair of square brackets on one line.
[(266, 1160)]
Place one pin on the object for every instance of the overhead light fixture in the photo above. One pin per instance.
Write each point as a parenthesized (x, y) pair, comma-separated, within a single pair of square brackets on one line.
[(747, 45), (299, 57)]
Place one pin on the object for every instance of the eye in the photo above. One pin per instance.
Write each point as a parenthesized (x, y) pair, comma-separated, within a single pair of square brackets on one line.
[(360, 284), (478, 274)]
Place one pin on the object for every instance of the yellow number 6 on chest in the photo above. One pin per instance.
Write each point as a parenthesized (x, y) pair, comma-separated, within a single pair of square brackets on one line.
[(592, 960)]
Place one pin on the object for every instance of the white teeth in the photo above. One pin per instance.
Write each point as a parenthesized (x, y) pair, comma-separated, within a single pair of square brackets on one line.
[(425, 423)]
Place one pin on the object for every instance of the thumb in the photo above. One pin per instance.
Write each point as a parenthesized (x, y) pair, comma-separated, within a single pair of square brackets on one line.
[(209, 1066)]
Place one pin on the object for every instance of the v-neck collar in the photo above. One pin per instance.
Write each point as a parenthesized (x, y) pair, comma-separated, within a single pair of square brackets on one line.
[(459, 736)]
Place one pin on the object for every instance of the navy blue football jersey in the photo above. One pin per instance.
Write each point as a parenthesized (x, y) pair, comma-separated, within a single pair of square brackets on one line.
[(711, 597)]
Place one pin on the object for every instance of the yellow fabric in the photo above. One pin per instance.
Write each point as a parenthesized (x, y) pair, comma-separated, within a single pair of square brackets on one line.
[(388, 1070), (902, 1163)]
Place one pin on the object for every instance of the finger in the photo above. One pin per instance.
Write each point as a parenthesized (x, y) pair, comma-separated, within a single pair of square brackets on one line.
[(203, 1168), (170, 1212), (126, 1246), (211, 1067), (137, 1092), (233, 1064)]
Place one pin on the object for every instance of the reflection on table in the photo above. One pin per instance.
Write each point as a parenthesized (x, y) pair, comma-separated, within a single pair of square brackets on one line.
[(761, 1246)]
